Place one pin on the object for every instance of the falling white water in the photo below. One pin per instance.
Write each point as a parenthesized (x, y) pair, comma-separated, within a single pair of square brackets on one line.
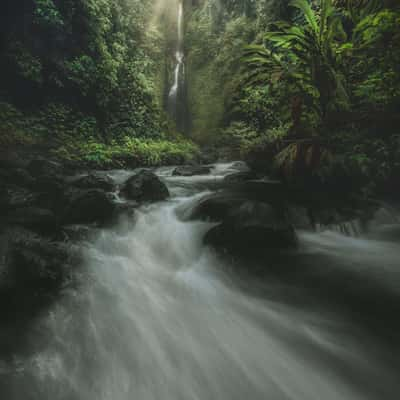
[(179, 67)]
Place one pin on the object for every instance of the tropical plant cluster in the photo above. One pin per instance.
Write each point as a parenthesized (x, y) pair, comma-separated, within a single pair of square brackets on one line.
[(302, 87)]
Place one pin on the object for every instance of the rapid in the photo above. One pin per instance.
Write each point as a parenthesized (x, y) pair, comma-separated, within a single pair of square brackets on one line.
[(156, 315)]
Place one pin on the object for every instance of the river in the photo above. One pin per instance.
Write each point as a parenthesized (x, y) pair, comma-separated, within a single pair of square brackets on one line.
[(155, 315)]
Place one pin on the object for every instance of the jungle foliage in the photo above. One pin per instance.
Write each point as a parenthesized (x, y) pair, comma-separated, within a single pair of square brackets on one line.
[(85, 69), (306, 88)]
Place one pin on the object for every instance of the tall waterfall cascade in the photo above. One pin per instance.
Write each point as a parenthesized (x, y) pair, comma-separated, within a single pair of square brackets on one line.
[(176, 95)]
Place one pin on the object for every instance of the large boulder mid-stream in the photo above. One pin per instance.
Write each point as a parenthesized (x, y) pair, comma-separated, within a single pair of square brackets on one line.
[(214, 207), (238, 177), (253, 218), (145, 186), (217, 206), (253, 228)]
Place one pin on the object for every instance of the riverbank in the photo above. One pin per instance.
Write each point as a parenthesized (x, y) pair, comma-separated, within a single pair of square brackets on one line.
[(94, 153)]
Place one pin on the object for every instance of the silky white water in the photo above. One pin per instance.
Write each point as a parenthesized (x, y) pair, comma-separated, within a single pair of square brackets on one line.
[(179, 66), (156, 315)]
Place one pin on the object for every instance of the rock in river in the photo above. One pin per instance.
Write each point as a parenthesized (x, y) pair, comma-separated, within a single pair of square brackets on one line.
[(145, 186), (35, 218), (253, 228), (191, 170), (94, 180), (87, 206)]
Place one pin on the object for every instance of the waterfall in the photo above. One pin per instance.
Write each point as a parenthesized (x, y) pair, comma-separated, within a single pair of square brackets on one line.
[(176, 93)]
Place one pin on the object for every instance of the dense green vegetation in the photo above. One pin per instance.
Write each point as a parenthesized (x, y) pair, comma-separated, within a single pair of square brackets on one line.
[(86, 71), (310, 89), (216, 35)]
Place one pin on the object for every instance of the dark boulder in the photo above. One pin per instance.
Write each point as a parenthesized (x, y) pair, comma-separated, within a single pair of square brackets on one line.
[(191, 170), (301, 218), (32, 264), (95, 180), (213, 207), (238, 177), (253, 229), (10, 159), (87, 206), (240, 166), (41, 166), (13, 197), (16, 176), (145, 186), (123, 212), (217, 206), (52, 184), (76, 233), (50, 191), (270, 191), (39, 264), (37, 219)]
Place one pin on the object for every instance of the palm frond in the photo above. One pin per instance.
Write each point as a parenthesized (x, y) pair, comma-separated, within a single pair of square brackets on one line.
[(309, 15)]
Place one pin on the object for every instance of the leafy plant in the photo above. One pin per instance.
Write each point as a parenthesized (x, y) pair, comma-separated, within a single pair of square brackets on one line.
[(306, 54)]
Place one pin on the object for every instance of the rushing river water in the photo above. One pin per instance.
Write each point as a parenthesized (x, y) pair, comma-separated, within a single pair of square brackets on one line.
[(157, 316)]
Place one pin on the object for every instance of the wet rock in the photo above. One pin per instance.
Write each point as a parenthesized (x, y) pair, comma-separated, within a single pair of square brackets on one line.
[(52, 184), (191, 170), (125, 209), (215, 207), (40, 166), (240, 166), (301, 218), (37, 219), (270, 191), (34, 264), (252, 229), (238, 177), (145, 186), (13, 197), (11, 159), (95, 180), (87, 206), (76, 233), (123, 212), (16, 176), (50, 191), (47, 191)]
